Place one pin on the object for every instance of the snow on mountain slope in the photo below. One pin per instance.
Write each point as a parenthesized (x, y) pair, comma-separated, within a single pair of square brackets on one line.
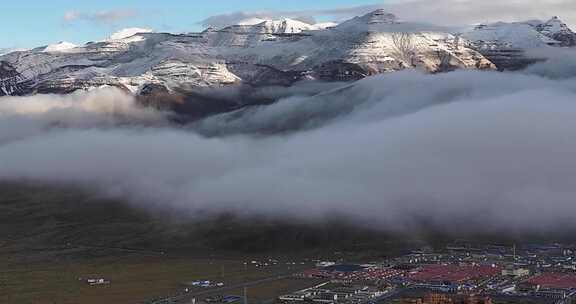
[(127, 63), (557, 30), (251, 21), (366, 45), (369, 21), (5, 51), (324, 25), (59, 47), (511, 35), (505, 44), (268, 52), (127, 33), (253, 32), (528, 34), (286, 26), (263, 26), (553, 26)]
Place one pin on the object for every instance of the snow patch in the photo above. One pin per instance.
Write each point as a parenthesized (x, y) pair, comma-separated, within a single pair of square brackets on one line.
[(516, 35), (554, 26), (5, 51), (59, 47), (324, 25), (128, 32), (251, 21), (369, 21)]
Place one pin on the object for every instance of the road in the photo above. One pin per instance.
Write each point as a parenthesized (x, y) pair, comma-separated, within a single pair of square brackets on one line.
[(187, 297), (237, 286)]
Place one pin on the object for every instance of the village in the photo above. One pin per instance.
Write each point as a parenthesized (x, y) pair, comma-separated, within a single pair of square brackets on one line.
[(460, 273)]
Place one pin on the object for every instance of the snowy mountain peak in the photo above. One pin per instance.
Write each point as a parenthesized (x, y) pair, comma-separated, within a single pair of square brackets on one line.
[(508, 35), (61, 46), (285, 26), (282, 26), (553, 26), (505, 44), (264, 26), (379, 16), (128, 33), (556, 29), (372, 21), (325, 25), (251, 21)]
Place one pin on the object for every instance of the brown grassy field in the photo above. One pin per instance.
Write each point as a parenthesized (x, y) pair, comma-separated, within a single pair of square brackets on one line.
[(133, 279)]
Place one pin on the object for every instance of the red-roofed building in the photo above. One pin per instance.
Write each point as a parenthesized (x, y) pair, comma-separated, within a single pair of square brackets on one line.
[(553, 280), (454, 274)]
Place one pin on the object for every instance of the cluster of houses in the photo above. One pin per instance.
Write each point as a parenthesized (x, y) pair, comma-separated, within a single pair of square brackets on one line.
[(330, 293)]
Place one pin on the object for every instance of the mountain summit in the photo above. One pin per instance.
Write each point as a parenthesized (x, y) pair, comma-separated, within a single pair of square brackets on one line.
[(128, 32), (379, 16), (60, 47), (370, 21), (558, 30), (283, 26)]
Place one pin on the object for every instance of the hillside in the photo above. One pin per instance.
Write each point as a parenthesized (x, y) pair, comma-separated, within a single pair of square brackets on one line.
[(54, 222)]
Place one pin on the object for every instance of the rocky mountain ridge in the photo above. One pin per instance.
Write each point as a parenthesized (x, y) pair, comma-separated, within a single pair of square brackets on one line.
[(268, 52), (505, 43)]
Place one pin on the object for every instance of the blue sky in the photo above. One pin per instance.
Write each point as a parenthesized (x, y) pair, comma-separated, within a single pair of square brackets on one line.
[(39, 22), (31, 23)]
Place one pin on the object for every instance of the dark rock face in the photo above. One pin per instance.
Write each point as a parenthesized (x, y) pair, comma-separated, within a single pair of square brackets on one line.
[(566, 39), (264, 75), (11, 82), (193, 104), (340, 71), (509, 59)]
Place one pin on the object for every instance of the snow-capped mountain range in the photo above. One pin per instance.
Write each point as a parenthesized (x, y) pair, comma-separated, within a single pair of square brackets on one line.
[(527, 34), (505, 44), (261, 52)]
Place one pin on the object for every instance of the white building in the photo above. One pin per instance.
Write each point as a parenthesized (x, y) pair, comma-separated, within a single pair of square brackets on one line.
[(515, 272)]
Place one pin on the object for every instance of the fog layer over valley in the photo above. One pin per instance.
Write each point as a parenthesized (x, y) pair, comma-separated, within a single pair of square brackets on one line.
[(25, 117), (467, 149)]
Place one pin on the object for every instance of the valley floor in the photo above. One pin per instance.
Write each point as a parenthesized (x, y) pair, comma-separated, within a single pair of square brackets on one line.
[(134, 279)]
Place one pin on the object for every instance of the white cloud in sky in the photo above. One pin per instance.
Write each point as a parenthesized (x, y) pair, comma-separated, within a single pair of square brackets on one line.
[(462, 12), (102, 17), (442, 12), (309, 16)]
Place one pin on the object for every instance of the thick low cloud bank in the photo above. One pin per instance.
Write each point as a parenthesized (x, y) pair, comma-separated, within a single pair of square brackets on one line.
[(556, 63), (484, 151), (24, 117)]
